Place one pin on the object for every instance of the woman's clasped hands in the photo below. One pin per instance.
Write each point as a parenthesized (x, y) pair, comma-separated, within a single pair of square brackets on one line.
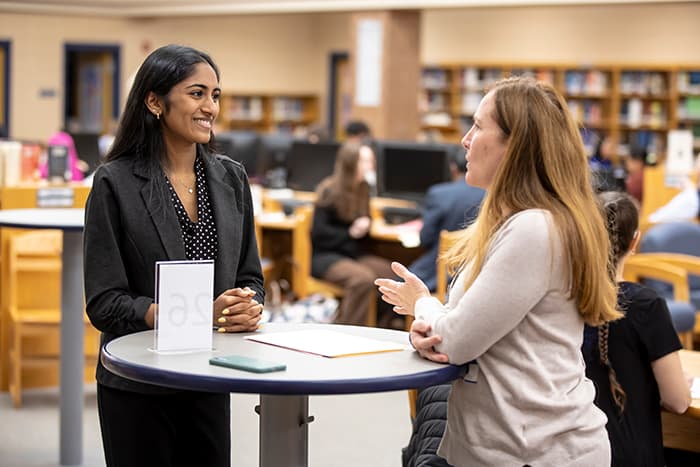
[(236, 310)]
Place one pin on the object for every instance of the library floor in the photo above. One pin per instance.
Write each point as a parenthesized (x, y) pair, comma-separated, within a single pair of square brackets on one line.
[(349, 430)]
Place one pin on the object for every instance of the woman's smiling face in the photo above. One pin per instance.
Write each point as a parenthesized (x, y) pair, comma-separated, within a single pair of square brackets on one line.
[(192, 107)]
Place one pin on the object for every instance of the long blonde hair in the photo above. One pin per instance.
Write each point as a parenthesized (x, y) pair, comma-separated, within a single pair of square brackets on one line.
[(545, 167)]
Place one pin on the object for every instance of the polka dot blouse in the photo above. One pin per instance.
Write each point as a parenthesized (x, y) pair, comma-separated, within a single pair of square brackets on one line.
[(199, 237)]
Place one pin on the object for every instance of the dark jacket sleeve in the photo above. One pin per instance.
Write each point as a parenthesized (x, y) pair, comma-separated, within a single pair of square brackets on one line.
[(112, 306), (249, 272)]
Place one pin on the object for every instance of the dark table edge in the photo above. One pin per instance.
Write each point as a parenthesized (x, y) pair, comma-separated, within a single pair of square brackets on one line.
[(177, 380)]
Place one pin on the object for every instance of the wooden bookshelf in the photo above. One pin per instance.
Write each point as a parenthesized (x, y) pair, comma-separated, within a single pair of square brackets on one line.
[(268, 112), (687, 100), (634, 104)]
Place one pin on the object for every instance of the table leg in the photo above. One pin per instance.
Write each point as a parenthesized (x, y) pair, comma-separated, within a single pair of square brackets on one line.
[(72, 351), (284, 431)]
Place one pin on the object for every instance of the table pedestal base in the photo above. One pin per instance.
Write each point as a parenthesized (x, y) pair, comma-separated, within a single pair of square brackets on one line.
[(284, 431), (72, 350)]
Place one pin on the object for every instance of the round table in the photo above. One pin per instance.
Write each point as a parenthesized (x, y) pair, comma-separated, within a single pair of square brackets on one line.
[(284, 395), (71, 222)]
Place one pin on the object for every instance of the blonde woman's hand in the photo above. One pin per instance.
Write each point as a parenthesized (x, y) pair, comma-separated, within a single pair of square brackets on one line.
[(236, 310), (359, 227), (403, 295), (424, 343)]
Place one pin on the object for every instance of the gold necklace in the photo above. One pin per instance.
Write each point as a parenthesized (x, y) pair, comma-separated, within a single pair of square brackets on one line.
[(190, 189)]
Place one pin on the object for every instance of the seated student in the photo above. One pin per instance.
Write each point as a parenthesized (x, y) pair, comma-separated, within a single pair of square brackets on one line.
[(634, 361), (448, 206), (357, 131), (634, 165), (603, 153), (341, 222)]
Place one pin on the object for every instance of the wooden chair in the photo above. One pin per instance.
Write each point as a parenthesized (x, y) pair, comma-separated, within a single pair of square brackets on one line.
[(303, 282), (653, 266), (447, 239), (267, 264), (34, 258)]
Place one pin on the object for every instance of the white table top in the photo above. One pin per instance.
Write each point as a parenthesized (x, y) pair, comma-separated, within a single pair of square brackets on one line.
[(130, 357), (44, 218)]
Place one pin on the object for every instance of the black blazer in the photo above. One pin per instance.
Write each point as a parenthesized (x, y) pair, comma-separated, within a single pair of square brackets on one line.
[(128, 229)]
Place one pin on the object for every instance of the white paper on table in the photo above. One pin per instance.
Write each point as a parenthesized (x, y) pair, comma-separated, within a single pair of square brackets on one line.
[(184, 295), (326, 343), (695, 388)]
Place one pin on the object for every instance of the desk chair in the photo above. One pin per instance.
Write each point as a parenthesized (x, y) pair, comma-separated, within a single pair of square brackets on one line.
[(676, 243), (304, 283), (651, 266), (447, 239), (35, 258)]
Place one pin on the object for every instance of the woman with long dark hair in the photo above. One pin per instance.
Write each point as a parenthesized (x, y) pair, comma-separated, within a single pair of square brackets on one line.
[(163, 195), (341, 225)]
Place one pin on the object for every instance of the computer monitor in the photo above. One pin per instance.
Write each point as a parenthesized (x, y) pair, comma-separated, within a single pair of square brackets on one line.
[(309, 163), (241, 146), (87, 145), (407, 170), (274, 148)]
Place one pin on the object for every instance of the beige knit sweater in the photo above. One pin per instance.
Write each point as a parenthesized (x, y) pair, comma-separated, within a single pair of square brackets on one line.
[(527, 399)]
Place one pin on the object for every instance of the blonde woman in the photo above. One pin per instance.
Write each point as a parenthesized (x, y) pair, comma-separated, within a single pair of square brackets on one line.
[(531, 271)]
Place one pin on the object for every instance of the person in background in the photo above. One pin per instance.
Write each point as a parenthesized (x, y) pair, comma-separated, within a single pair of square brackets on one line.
[(77, 166), (634, 361), (341, 223), (357, 131), (531, 270), (163, 195), (448, 206), (603, 154), (317, 134), (634, 164)]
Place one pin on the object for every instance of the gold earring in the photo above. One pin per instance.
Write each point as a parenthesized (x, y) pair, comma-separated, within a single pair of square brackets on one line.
[(157, 115)]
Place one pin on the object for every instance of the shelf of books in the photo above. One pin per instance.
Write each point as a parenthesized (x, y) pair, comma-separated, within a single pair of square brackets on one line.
[(635, 105), (267, 112), (688, 102)]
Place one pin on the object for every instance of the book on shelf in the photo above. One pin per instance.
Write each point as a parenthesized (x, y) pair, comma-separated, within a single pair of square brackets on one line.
[(690, 109), (29, 164), (434, 78), (470, 78), (287, 108), (10, 162), (470, 101), (573, 82), (632, 112), (689, 82), (442, 119), (245, 108), (644, 83)]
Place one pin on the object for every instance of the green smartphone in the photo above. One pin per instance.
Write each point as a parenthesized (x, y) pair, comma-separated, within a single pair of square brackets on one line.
[(241, 362)]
